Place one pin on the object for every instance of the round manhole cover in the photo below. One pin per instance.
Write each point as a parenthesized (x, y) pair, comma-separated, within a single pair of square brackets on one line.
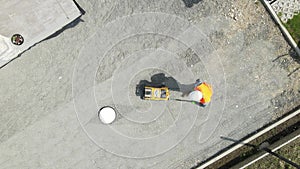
[(17, 39)]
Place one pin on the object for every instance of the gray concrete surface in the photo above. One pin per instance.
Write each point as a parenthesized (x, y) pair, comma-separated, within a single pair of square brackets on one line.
[(34, 20), (50, 95)]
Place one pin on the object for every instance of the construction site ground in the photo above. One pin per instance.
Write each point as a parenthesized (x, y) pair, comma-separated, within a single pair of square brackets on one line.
[(51, 94)]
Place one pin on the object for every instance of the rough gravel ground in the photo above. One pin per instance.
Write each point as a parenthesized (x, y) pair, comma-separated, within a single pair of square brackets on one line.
[(38, 122)]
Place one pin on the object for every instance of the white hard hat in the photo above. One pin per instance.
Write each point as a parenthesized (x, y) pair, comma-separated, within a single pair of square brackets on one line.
[(107, 115), (195, 96)]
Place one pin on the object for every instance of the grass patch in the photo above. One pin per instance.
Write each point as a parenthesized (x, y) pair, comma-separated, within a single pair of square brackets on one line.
[(293, 26)]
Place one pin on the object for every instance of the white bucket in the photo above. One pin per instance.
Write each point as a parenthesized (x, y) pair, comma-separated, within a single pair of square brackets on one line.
[(107, 115)]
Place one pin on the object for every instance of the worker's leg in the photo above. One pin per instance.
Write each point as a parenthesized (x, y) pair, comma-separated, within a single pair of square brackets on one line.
[(203, 104), (200, 104)]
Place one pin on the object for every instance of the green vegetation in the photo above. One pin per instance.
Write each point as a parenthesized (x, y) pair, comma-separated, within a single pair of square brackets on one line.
[(293, 26)]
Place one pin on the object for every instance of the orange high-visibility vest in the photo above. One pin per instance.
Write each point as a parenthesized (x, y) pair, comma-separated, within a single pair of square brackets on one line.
[(206, 91)]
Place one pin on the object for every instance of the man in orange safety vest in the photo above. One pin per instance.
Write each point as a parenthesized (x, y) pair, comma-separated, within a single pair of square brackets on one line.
[(205, 90)]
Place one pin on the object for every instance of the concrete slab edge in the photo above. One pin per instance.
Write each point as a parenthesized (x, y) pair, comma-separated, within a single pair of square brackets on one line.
[(284, 31), (248, 140), (10, 52)]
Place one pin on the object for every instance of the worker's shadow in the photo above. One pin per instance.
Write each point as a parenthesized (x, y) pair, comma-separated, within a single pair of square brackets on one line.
[(160, 80), (190, 3)]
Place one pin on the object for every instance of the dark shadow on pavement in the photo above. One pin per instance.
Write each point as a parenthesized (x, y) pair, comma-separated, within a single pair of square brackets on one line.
[(161, 80), (190, 3), (70, 25), (296, 58), (294, 55), (291, 53), (280, 56), (263, 147)]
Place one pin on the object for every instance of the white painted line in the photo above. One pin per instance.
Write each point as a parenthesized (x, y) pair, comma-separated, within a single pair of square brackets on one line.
[(249, 139), (275, 149)]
